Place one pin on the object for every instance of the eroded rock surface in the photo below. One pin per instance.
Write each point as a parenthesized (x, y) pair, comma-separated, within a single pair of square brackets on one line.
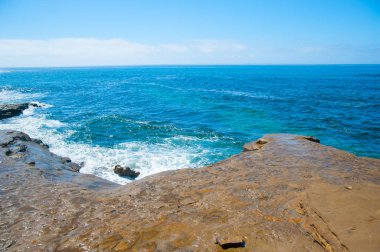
[(289, 195)]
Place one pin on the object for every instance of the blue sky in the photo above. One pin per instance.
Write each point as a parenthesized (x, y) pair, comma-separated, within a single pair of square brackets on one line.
[(116, 32)]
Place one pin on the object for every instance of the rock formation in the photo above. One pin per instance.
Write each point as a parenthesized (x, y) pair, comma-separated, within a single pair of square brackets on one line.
[(125, 171), (291, 194), (11, 110)]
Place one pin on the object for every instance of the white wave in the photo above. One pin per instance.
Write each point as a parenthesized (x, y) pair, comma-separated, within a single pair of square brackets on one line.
[(4, 71), (13, 96), (195, 139), (32, 109), (29, 111), (237, 93), (229, 92), (41, 104), (143, 157)]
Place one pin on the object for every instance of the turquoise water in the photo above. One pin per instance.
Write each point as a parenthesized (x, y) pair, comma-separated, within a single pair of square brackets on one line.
[(161, 118)]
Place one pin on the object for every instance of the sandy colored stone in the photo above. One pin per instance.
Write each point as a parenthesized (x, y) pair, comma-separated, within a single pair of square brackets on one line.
[(289, 195)]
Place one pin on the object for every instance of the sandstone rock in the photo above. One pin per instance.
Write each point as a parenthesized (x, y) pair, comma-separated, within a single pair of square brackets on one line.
[(254, 146), (125, 171), (348, 187), (280, 198), (262, 141)]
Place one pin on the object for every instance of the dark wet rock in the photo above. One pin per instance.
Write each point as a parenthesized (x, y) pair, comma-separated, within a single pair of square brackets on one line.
[(22, 148), (65, 160), (36, 105), (17, 135), (125, 171), (9, 137), (5, 140), (262, 141), (11, 110), (8, 152), (231, 242), (74, 167), (42, 144), (37, 141), (32, 163), (45, 146), (313, 139), (19, 145)]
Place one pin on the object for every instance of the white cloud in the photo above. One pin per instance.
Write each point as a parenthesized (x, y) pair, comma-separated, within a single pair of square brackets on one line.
[(175, 48), (211, 46), (112, 52), (91, 51)]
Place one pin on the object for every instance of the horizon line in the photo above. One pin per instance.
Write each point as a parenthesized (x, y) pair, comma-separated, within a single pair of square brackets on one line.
[(197, 65)]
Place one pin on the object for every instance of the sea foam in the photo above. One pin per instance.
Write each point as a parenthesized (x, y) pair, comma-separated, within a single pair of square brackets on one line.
[(144, 157), (14, 96)]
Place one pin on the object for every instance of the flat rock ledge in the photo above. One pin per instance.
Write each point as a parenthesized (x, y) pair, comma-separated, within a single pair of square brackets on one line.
[(291, 194)]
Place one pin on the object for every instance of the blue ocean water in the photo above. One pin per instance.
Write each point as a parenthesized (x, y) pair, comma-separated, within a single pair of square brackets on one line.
[(160, 118)]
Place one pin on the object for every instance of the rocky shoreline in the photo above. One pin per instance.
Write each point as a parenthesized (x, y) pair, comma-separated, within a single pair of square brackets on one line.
[(282, 193), (12, 110)]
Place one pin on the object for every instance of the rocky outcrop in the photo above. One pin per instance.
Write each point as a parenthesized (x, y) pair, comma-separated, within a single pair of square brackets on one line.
[(254, 146), (12, 110), (291, 194), (19, 146), (125, 172), (38, 141)]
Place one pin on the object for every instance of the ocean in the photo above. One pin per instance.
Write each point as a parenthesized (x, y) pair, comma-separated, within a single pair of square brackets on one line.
[(158, 118)]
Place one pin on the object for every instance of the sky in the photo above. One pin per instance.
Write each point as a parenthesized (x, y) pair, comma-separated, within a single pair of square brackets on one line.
[(159, 32)]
